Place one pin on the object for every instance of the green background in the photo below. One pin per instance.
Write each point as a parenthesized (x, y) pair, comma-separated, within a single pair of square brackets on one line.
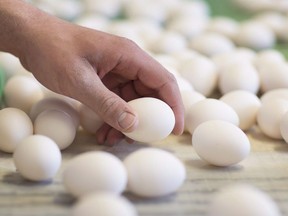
[(227, 8)]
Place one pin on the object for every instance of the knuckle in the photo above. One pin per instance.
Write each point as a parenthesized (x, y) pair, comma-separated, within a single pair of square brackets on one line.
[(109, 106)]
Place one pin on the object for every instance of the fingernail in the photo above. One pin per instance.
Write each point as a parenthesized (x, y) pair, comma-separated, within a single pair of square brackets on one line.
[(127, 121)]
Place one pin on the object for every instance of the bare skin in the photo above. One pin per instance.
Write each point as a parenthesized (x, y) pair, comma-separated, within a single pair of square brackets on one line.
[(100, 70)]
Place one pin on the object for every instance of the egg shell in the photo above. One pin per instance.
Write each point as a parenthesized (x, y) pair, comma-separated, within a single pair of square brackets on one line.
[(103, 204), (37, 158), (150, 10), (242, 199), (270, 115), (268, 55), (281, 93), (255, 35), (201, 73), (156, 120), (89, 120), (109, 8), (169, 42), (22, 92), (239, 76), (54, 103), (10, 64), (273, 76), (209, 109), (189, 98), (188, 25), (147, 179), (223, 25), (241, 55), (274, 20), (220, 143), (183, 83), (57, 125), (284, 127), (210, 44), (94, 171), (15, 125), (246, 105)]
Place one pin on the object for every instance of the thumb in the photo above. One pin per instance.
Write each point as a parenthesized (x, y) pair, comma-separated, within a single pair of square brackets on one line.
[(109, 106), (115, 111)]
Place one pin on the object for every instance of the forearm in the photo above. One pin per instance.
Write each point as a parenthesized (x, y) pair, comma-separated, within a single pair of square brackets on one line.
[(17, 19)]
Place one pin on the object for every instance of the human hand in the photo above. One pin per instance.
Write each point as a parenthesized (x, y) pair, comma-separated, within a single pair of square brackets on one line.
[(100, 70)]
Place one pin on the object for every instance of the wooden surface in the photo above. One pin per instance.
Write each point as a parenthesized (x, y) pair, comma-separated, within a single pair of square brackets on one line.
[(266, 168)]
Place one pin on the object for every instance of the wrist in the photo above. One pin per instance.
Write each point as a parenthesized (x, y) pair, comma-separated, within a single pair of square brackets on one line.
[(17, 20)]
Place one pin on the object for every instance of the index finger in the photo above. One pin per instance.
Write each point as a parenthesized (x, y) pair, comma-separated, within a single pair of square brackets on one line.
[(139, 65)]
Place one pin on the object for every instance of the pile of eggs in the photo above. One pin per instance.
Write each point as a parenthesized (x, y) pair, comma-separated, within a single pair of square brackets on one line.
[(229, 76)]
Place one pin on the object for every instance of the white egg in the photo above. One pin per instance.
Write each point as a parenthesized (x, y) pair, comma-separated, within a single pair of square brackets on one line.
[(37, 158), (202, 74), (22, 92), (237, 55), (198, 9), (184, 55), (10, 64), (57, 125), (154, 172), (223, 25), (66, 9), (268, 56), (103, 204), (273, 76), (50, 94), (246, 105), (210, 44), (239, 76), (255, 35), (270, 115), (15, 125), (284, 127), (109, 8), (183, 83), (281, 93), (166, 60), (282, 34), (190, 26), (93, 21), (189, 98), (150, 10), (169, 42), (89, 120), (242, 199), (94, 172), (156, 120), (148, 30), (274, 20), (127, 29), (54, 103), (209, 109), (220, 143)]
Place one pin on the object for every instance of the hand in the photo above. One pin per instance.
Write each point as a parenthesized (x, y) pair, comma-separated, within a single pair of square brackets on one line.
[(100, 70)]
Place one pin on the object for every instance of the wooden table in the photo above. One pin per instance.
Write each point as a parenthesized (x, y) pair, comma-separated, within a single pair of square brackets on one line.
[(266, 168)]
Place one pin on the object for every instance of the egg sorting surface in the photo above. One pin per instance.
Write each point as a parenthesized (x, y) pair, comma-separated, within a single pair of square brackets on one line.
[(242, 199), (103, 204)]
